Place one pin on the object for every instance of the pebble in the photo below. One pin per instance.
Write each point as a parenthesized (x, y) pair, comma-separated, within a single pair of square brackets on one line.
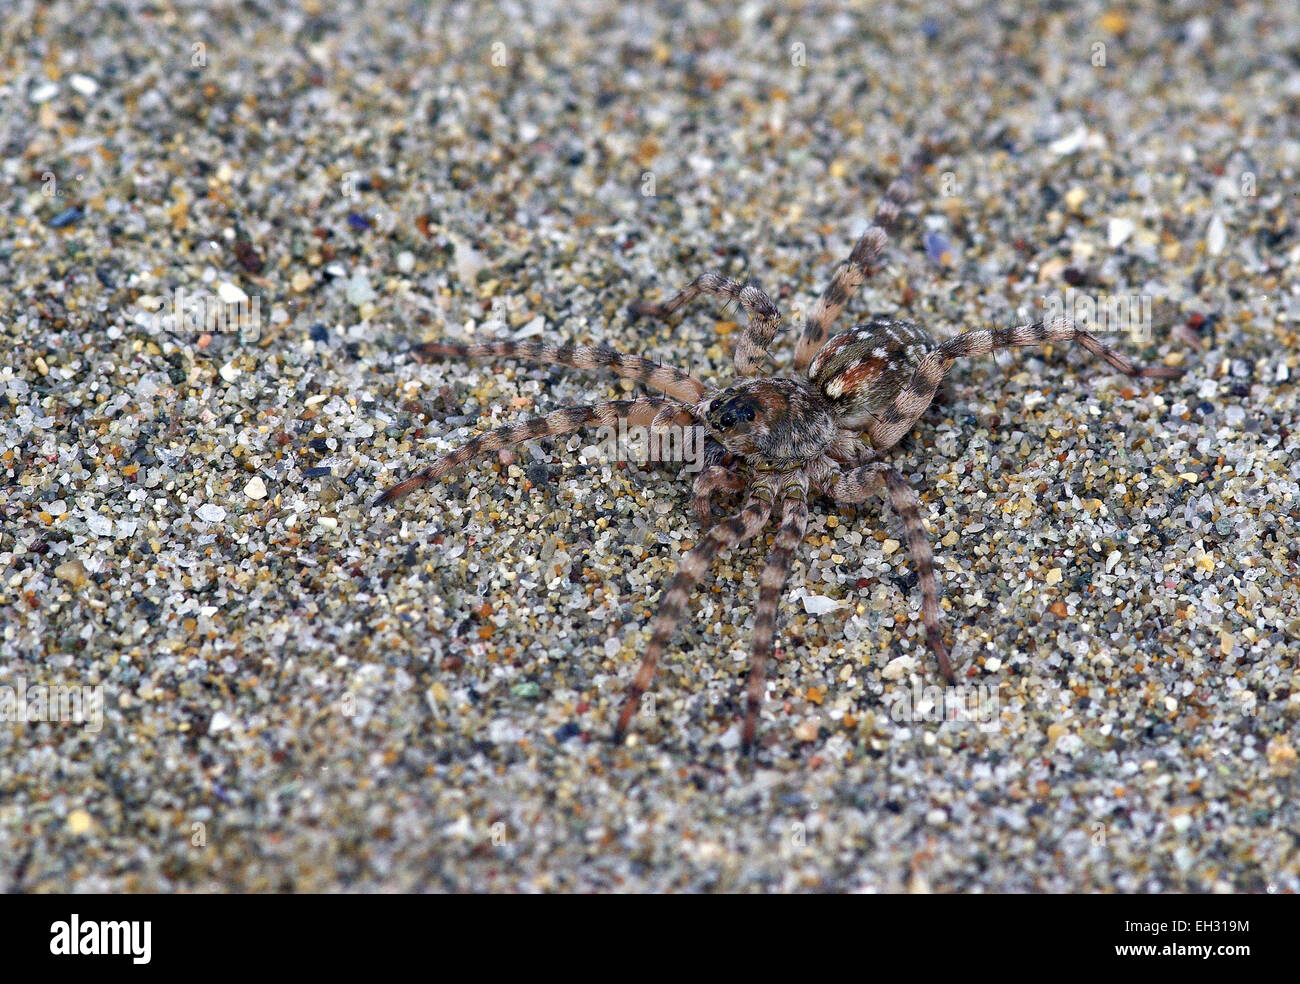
[(83, 84), (469, 262), (897, 668), (71, 572), (808, 729), (939, 250), (1069, 143), (1118, 231), (819, 604), (256, 488), (533, 328), (69, 216), (1281, 755), (230, 293), (1216, 236), (359, 291)]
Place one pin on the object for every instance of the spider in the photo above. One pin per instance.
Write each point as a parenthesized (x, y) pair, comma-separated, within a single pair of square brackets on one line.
[(777, 438)]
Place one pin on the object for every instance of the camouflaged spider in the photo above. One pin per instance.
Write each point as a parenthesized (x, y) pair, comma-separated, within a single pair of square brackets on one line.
[(778, 438)]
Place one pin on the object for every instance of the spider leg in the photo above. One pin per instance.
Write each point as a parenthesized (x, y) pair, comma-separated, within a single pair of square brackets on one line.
[(850, 274), (764, 318), (853, 487), (560, 422), (708, 482), (794, 521), (895, 420), (675, 382), (662, 436), (742, 526), (663, 419)]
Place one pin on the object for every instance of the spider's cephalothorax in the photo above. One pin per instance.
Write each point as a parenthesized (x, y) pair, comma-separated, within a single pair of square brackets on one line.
[(778, 439), (776, 423)]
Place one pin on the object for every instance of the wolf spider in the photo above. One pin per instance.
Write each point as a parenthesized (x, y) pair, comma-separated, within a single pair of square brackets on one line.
[(777, 438)]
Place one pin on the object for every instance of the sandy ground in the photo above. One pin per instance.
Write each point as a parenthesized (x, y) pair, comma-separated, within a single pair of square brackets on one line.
[(287, 690)]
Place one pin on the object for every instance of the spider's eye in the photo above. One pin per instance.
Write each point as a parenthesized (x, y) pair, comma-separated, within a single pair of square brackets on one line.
[(733, 412)]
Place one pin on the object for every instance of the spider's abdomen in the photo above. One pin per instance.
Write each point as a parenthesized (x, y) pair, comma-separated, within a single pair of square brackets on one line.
[(861, 370)]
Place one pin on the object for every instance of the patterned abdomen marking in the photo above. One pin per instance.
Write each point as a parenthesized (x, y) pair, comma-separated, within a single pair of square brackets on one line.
[(861, 370)]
